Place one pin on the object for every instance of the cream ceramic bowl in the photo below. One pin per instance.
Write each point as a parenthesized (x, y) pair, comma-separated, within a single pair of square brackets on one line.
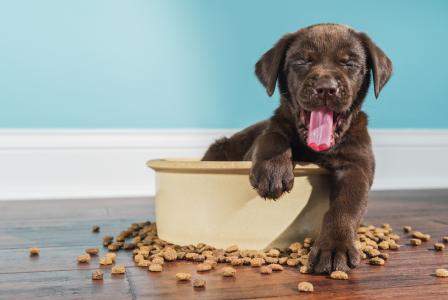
[(214, 203)]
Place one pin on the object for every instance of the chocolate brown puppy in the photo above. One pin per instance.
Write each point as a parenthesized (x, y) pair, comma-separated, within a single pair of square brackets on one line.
[(323, 74)]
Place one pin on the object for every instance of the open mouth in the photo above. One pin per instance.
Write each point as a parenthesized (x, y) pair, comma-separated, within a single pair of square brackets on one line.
[(321, 127)]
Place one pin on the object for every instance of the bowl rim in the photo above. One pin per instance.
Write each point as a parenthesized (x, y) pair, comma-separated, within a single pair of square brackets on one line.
[(189, 165)]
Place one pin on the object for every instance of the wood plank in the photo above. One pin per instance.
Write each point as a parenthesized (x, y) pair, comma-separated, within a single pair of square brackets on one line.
[(76, 284)]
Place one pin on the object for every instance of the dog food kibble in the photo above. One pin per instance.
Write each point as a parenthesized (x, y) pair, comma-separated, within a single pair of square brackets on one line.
[(112, 256), (129, 246), (384, 245), (114, 246), (34, 251), (305, 287), (266, 270), (170, 254), (271, 260), (97, 275), (415, 242), (362, 230), (191, 256), (439, 246), (183, 276), (276, 267), (372, 243), (292, 262), (442, 273), (308, 240), (155, 268), (211, 262), (138, 258), (143, 263), (228, 272), (294, 247), (107, 240), (92, 251), (181, 255), (394, 246), (376, 261), (282, 260), (199, 283), (394, 237), (106, 261), (386, 226), (407, 229), (257, 262), (118, 269), (445, 239), (274, 253), (304, 269), (95, 228), (339, 275), (303, 260), (199, 258), (373, 252), (421, 236), (158, 260), (384, 256), (234, 261), (84, 258), (203, 267), (232, 248)]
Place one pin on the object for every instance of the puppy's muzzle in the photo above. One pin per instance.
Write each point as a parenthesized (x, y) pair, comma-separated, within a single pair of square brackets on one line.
[(326, 89)]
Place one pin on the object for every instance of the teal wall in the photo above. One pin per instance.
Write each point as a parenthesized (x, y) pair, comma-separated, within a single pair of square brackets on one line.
[(189, 63)]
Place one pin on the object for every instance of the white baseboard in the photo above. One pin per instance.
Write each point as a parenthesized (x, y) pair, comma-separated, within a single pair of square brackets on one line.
[(67, 163)]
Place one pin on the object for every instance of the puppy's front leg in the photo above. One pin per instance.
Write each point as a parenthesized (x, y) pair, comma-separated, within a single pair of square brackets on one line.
[(272, 166), (335, 248)]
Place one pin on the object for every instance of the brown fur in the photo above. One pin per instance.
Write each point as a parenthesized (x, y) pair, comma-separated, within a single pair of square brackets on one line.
[(302, 62)]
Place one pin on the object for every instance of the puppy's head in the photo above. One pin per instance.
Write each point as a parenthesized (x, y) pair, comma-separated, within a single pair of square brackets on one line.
[(324, 74)]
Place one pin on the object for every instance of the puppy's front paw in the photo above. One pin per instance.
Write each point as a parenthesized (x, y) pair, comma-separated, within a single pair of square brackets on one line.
[(271, 178), (328, 255)]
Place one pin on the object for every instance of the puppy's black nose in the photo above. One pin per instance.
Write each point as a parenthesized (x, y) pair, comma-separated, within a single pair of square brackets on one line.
[(326, 88)]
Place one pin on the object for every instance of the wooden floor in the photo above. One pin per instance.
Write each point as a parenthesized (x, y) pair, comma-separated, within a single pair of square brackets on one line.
[(62, 230)]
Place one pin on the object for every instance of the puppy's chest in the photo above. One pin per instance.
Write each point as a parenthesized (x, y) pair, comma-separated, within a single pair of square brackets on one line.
[(329, 160)]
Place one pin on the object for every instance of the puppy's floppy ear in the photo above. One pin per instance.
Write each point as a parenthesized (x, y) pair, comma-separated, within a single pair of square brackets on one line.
[(380, 64), (268, 66)]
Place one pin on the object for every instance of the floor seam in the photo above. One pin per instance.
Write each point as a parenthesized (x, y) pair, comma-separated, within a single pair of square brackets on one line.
[(56, 270), (131, 286)]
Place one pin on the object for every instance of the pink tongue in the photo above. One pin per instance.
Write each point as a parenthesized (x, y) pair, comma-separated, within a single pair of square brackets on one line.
[(320, 130)]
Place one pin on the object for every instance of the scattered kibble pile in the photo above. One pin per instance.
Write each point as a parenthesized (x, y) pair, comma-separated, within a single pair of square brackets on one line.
[(152, 253)]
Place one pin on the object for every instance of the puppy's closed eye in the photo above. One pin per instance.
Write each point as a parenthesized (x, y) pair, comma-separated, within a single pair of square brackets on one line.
[(301, 63), (349, 63)]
